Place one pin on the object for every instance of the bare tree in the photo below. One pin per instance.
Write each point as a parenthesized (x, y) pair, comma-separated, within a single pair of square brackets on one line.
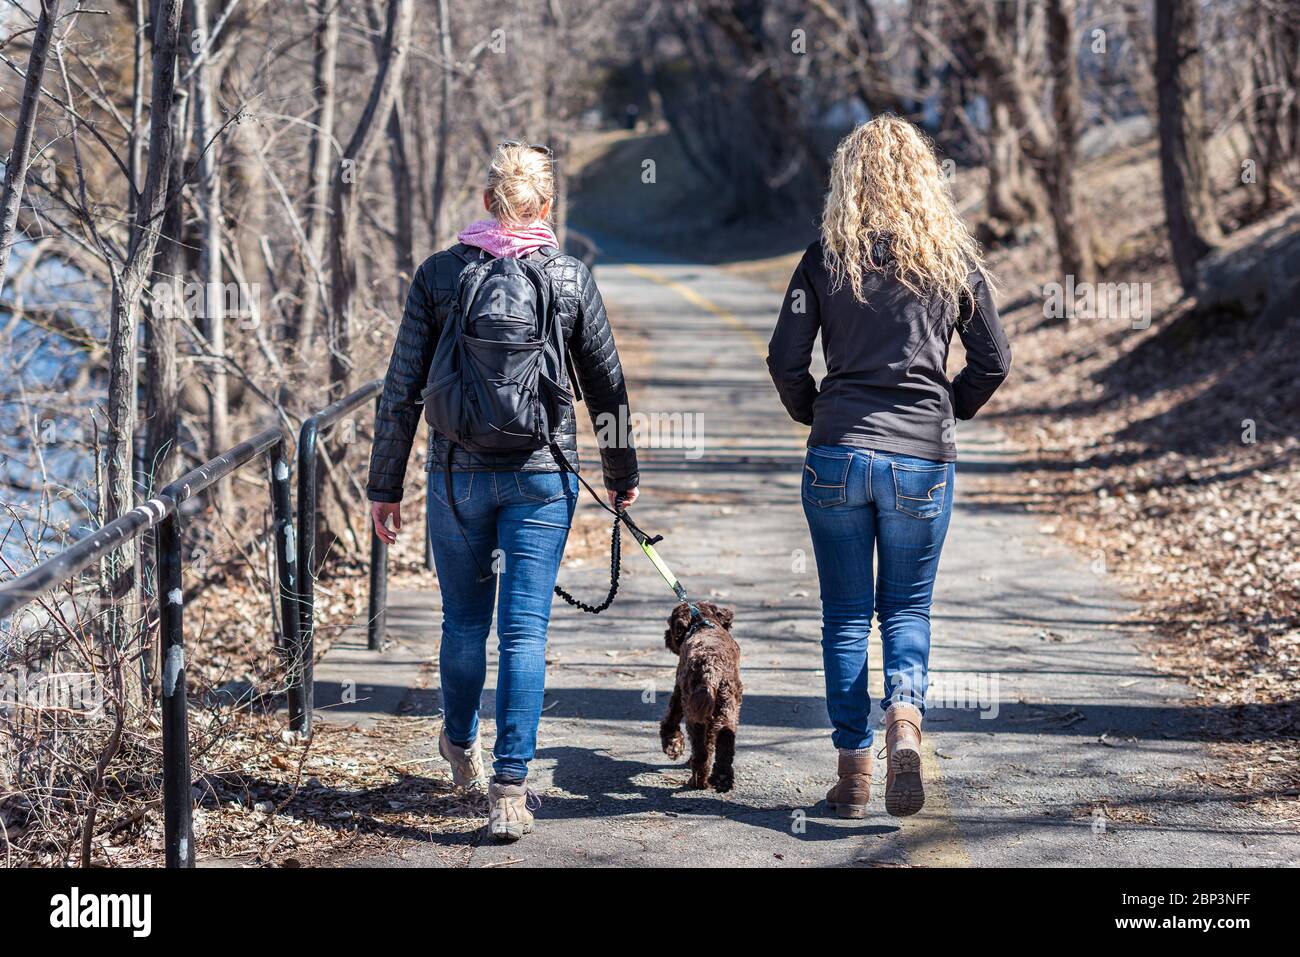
[(784, 149), (1260, 59), (20, 154), (205, 79), (344, 249), (857, 39), (1012, 203), (404, 198), (128, 279), (443, 134), (1073, 242), (325, 67), (1189, 209), (1050, 145)]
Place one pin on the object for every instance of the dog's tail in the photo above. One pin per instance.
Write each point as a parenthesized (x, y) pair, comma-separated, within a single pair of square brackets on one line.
[(704, 696)]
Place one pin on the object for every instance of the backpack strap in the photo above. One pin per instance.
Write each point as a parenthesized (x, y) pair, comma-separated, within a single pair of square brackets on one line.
[(466, 253), (548, 254)]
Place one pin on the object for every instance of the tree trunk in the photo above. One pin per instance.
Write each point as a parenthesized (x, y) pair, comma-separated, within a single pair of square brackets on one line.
[(444, 126), (784, 150), (1011, 202), (135, 146), (344, 250), (1072, 239), (127, 287), (1052, 147), (403, 200), (162, 384), (325, 68), (1189, 208), (214, 299), (20, 155)]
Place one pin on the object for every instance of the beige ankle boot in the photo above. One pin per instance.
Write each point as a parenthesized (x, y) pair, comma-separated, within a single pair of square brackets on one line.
[(466, 763), (849, 797), (509, 817), (904, 793)]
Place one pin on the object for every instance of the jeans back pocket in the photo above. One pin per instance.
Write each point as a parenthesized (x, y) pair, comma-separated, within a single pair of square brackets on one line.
[(544, 487), (920, 491), (462, 486), (826, 477)]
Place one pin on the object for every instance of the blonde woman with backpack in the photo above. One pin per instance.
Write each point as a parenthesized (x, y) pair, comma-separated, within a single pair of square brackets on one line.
[(502, 477)]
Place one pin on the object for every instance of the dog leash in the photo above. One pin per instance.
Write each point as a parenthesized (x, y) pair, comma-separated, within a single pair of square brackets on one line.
[(615, 569), (643, 539)]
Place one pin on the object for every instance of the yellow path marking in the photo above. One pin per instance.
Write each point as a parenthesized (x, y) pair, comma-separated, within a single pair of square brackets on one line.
[(690, 295), (930, 837)]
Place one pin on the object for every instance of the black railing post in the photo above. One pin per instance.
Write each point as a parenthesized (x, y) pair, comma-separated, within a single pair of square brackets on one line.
[(301, 666), (301, 691), (378, 620), (178, 829), (286, 553)]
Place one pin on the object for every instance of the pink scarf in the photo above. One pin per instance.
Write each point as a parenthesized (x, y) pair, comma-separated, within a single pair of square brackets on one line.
[(508, 241)]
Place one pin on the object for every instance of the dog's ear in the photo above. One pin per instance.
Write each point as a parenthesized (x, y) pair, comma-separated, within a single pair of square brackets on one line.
[(722, 617), (678, 622)]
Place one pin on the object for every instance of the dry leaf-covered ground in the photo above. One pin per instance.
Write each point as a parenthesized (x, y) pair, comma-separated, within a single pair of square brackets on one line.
[(1171, 457)]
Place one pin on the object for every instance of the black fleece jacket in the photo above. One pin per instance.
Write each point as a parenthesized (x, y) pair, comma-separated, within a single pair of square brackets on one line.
[(886, 384)]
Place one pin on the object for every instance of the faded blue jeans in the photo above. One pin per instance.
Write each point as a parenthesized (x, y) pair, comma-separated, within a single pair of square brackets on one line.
[(516, 524), (863, 504)]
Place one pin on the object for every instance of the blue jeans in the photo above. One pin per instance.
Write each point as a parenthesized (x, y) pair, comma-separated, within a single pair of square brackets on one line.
[(859, 504), (515, 527)]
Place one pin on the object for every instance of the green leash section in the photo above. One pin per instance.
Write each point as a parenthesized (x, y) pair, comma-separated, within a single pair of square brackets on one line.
[(647, 543), (648, 546)]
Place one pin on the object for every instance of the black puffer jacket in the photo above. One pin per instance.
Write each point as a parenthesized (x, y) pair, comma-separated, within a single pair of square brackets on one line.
[(595, 361)]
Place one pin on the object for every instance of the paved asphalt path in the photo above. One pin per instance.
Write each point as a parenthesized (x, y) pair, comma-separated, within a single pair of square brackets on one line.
[(1059, 745)]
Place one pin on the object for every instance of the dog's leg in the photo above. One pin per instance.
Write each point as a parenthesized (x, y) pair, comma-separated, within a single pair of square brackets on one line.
[(701, 753), (724, 755), (670, 729), (725, 722)]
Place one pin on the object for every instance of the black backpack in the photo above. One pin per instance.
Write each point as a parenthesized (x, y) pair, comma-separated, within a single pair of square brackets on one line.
[(497, 381)]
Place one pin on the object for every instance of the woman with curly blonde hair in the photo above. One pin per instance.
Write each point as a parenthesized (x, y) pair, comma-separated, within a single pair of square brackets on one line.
[(893, 276)]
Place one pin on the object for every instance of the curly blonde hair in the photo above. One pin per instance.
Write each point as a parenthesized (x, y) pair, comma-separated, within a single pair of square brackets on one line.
[(886, 186), (520, 184)]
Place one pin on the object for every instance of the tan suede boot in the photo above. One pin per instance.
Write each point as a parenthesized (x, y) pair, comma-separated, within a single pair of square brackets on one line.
[(509, 816), (849, 797), (466, 763), (904, 793)]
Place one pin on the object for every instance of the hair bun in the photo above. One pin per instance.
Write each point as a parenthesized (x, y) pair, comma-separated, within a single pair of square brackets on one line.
[(521, 184)]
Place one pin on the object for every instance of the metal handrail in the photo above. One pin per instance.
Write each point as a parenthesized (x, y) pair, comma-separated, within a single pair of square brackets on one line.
[(302, 688), (163, 512), (294, 553)]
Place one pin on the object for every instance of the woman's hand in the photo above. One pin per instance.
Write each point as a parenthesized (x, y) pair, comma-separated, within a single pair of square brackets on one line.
[(625, 498), (380, 513)]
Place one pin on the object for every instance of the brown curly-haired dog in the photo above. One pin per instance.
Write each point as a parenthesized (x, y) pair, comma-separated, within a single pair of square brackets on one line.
[(707, 693)]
